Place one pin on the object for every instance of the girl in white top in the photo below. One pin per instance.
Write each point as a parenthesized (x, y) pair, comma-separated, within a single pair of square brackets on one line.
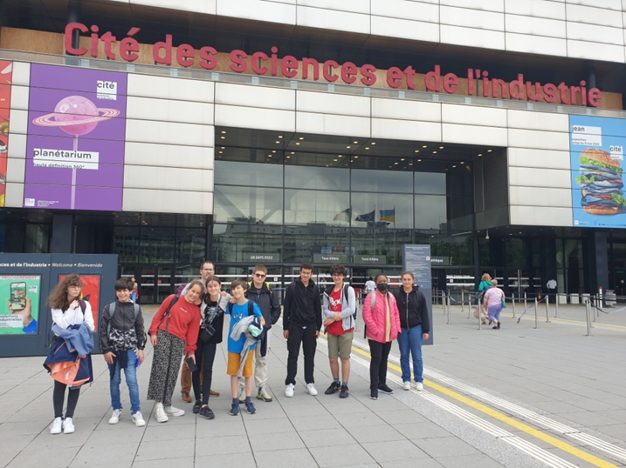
[(64, 300)]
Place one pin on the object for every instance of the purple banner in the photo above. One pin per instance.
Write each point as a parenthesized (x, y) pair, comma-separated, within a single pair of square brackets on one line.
[(76, 139)]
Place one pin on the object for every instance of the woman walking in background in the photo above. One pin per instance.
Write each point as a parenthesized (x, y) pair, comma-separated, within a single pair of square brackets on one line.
[(493, 301), (69, 360), (382, 325)]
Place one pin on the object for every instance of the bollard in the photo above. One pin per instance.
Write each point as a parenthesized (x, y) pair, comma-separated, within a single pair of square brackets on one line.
[(525, 302), (462, 300), (478, 309), (513, 302), (536, 312), (594, 311), (448, 309), (587, 307), (556, 306), (547, 308)]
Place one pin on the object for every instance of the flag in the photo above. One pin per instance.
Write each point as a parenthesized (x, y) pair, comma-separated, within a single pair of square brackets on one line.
[(367, 217), (343, 215), (388, 215)]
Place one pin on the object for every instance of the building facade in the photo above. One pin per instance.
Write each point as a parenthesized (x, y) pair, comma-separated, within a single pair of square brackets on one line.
[(308, 131)]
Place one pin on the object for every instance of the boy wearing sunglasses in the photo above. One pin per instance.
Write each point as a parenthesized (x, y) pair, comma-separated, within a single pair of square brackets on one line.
[(260, 293)]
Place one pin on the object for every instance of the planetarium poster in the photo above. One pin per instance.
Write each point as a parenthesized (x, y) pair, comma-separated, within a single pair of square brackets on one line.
[(6, 72), (597, 169), (76, 138)]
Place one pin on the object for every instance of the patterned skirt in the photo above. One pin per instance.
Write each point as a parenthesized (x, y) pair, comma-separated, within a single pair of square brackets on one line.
[(168, 354)]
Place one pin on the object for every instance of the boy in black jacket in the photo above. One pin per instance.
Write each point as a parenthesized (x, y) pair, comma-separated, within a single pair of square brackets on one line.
[(302, 321), (260, 293), (122, 340)]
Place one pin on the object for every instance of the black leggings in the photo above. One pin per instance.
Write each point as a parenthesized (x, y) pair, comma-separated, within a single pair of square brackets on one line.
[(205, 355), (378, 365), (58, 395)]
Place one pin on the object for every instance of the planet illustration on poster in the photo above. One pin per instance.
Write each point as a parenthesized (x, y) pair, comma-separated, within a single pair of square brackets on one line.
[(76, 116)]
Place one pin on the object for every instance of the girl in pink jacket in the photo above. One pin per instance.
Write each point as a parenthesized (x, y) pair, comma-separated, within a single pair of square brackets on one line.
[(382, 326)]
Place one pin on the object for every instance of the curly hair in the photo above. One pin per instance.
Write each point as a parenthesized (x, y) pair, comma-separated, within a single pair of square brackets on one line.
[(58, 297)]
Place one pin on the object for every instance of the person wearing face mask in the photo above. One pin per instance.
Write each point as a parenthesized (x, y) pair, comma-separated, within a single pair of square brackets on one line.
[(382, 326), (174, 330)]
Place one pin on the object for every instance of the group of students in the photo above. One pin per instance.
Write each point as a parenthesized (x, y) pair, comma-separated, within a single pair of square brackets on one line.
[(190, 324)]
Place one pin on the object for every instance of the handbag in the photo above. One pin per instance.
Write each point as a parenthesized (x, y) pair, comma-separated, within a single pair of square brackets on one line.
[(206, 333)]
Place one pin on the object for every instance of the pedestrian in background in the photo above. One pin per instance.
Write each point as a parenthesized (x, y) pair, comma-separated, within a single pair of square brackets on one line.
[(493, 301)]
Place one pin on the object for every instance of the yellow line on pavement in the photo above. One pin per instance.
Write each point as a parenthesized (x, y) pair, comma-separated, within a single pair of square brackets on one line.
[(578, 453)]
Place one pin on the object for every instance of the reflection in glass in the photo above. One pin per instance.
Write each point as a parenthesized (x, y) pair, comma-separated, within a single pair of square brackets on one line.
[(369, 180), (430, 213), (315, 207), (302, 243), (430, 182), (390, 210), (238, 242), (310, 177), (248, 205), (379, 241), (249, 174)]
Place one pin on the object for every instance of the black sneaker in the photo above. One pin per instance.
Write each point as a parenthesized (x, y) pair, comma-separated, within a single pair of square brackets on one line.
[(196, 407), (234, 409), (374, 394), (207, 412), (332, 388), (250, 407), (344, 392), (385, 388)]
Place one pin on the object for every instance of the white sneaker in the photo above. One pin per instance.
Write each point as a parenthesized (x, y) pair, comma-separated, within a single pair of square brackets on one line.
[(138, 419), (172, 410), (68, 426), (406, 385), (419, 386), (311, 390), (289, 390), (159, 413), (57, 426), (115, 416)]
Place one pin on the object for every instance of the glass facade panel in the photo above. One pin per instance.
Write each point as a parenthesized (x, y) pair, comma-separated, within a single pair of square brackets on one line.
[(430, 182), (249, 174), (380, 241), (321, 178), (248, 205), (430, 213), (316, 207), (314, 242), (156, 245), (371, 180), (392, 210), (240, 242)]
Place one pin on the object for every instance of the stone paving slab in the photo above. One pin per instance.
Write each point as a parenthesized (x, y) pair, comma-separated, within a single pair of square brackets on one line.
[(554, 370)]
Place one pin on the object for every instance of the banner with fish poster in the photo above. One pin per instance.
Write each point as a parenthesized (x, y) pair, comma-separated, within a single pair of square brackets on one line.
[(597, 171), (76, 139)]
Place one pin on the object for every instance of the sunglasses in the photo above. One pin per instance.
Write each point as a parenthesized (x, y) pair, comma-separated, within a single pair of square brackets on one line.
[(259, 275)]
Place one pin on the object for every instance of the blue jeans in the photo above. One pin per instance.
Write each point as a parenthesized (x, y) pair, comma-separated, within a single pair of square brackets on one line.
[(410, 341), (131, 380)]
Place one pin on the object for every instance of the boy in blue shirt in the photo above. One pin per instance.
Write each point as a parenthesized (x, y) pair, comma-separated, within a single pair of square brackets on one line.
[(239, 310)]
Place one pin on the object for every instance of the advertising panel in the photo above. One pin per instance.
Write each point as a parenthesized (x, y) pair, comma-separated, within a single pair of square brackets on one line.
[(416, 259), (76, 139), (19, 304), (597, 168), (6, 74)]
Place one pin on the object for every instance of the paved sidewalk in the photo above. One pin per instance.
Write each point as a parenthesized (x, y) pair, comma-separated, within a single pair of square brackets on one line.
[(553, 371)]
